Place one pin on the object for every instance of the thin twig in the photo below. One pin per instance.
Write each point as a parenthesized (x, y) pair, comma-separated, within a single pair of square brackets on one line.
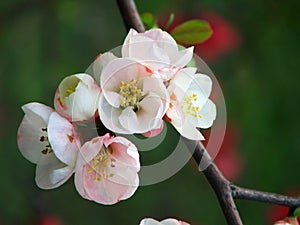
[(130, 15), (267, 197)]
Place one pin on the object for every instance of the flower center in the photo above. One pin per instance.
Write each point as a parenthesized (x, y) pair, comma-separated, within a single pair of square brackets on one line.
[(188, 106), (131, 95), (44, 138), (101, 163), (67, 89)]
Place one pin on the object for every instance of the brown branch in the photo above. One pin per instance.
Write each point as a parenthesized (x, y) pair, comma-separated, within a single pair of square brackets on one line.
[(267, 197), (226, 192), (130, 15)]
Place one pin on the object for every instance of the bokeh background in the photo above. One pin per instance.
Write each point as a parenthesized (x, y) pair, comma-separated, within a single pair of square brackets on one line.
[(254, 52)]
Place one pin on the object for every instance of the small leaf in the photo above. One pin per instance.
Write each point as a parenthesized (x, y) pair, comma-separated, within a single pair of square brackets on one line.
[(192, 32), (170, 21), (149, 20), (296, 212)]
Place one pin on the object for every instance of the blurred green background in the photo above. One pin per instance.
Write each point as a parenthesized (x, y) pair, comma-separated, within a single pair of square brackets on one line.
[(42, 41)]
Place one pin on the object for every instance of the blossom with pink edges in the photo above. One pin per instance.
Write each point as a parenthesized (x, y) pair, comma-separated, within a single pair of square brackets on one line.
[(132, 100), (77, 97), (160, 52), (107, 169), (50, 141)]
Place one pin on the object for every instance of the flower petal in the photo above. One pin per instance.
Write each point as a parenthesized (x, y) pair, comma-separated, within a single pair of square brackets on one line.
[(202, 84), (79, 182), (208, 115), (31, 129), (77, 97), (89, 150), (173, 222), (51, 173), (182, 124), (124, 151), (103, 191), (147, 118), (109, 116), (183, 57), (118, 70), (149, 221), (63, 139), (154, 132), (100, 62)]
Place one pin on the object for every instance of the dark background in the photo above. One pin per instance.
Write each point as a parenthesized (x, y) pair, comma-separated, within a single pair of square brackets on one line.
[(43, 41)]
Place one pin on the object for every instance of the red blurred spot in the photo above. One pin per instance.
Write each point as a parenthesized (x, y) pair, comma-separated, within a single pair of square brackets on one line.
[(278, 212), (50, 220), (228, 159), (225, 37)]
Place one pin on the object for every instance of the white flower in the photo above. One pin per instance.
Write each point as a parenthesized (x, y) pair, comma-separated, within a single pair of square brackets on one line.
[(48, 140), (157, 50), (132, 100), (107, 169), (77, 97), (190, 107), (150, 221)]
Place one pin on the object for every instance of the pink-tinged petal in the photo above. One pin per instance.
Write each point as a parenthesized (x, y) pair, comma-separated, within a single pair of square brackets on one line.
[(155, 132), (79, 182), (131, 189), (89, 150), (125, 175), (51, 173), (63, 139), (77, 97), (102, 191), (101, 62), (208, 115), (125, 49), (149, 221), (31, 129), (62, 109), (151, 53), (123, 151), (163, 39), (109, 116)]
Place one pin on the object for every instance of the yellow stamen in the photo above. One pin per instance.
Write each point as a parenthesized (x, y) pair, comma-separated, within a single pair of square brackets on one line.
[(188, 107), (131, 94), (101, 163)]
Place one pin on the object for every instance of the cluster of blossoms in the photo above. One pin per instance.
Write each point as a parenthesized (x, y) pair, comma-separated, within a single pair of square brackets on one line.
[(131, 94)]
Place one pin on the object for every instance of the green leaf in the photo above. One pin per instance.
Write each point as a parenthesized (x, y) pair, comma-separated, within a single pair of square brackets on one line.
[(170, 21), (149, 20), (296, 212), (192, 32)]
